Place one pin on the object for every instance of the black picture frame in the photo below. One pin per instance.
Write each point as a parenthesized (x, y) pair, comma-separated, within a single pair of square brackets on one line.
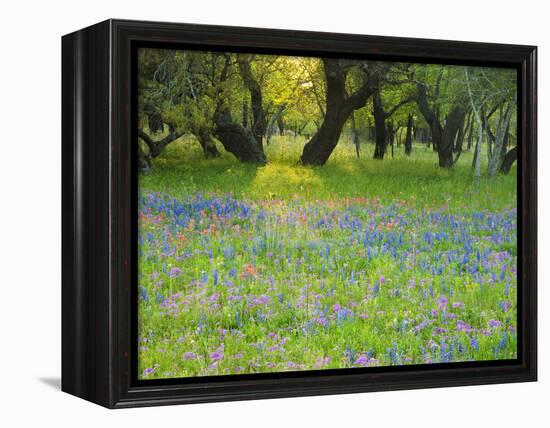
[(99, 208)]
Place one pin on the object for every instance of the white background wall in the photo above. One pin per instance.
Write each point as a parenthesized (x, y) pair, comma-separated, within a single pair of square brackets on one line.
[(30, 212)]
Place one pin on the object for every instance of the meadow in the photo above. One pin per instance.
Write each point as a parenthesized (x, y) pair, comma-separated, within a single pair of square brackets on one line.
[(359, 263)]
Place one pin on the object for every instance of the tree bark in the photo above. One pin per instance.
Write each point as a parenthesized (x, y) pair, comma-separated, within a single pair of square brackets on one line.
[(157, 146), (398, 135), (273, 122), (459, 141), (499, 139), (391, 136), (338, 109), (237, 140), (465, 132), (443, 137), (320, 147), (245, 114), (355, 135), (234, 137), (453, 123), (509, 158), (505, 144), (380, 138), (208, 147), (470, 134), (258, 114), (384, 133), (144, 160), (476, 162), (281, 125), (408, 137), (155, 122)]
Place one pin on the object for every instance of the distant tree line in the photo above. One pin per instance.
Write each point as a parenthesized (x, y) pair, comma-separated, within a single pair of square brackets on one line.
[(242, 100)]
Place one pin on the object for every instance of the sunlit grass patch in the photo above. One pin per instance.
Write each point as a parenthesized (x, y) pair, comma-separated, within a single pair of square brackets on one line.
[(276, 180)]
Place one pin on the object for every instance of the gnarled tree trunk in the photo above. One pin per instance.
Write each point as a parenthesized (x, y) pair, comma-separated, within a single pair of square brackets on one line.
[(443, 136), (384, 130), (259, 124), (155, 122), (459, 140), (208, 147), (509, 158), (144, 160), (453, 124), (157, 146), (237, 140), (320, 147), (245, 114), (338, 109)]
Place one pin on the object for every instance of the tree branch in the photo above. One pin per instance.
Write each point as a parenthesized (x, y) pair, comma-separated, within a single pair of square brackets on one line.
[(156, 147), (398, 106), (359, 98), (423, 106)]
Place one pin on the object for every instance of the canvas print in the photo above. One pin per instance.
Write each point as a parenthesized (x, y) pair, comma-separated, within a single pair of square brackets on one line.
[(306, 213)]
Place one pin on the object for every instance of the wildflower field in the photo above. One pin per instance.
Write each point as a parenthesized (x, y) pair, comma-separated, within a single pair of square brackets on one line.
[(359, 263)]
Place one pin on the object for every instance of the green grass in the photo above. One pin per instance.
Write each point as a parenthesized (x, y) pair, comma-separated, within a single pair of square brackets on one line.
[(417, 179)]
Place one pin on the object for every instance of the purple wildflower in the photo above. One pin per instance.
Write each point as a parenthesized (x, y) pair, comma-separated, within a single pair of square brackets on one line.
[(216, 356), (148, 371), (495, 323), (361, 361), (174, 272), (321, 320), (439, 330), (505, 305), (462, 326), (322, 362), (261, 300), (420, 326), (189, 356)]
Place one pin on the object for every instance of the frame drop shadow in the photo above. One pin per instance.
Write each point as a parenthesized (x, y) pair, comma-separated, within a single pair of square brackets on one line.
[(52, 381)]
